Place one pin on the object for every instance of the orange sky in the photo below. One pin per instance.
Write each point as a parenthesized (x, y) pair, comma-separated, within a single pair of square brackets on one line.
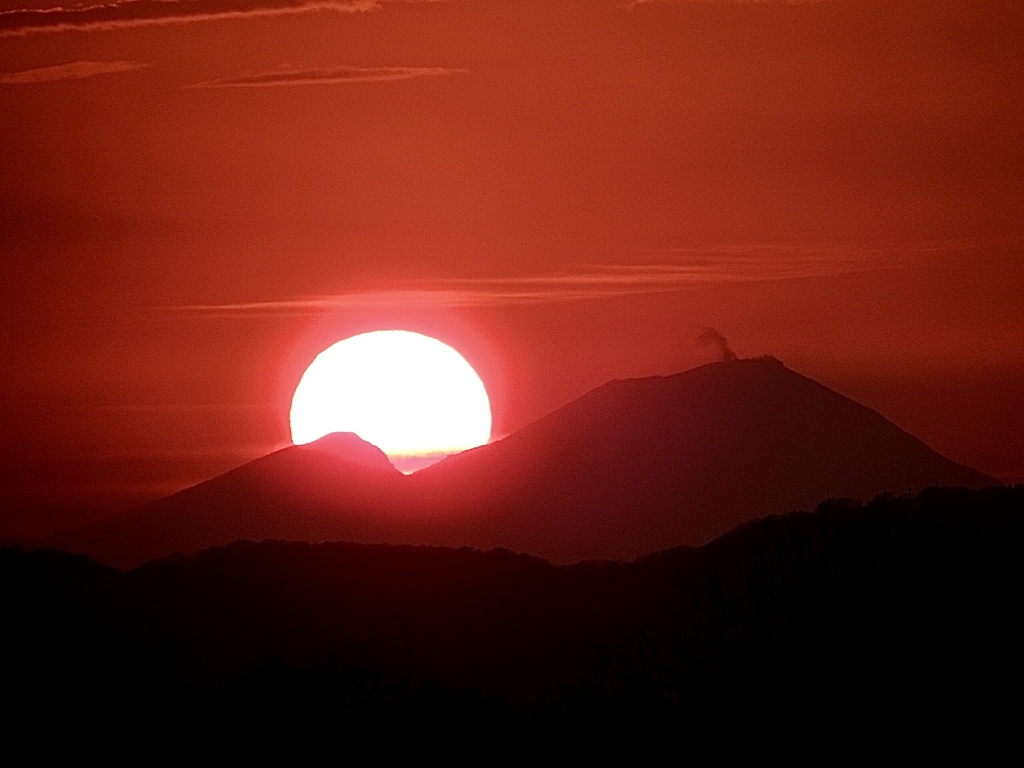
[(197, 195)]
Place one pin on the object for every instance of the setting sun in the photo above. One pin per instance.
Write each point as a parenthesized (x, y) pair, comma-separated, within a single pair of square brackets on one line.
[(408, 394)]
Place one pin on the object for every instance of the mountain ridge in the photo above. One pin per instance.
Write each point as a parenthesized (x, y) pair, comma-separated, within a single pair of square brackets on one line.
[(631, 467)]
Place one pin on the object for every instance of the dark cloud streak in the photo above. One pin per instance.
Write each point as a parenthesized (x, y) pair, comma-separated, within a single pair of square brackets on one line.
[(327, 76), (74, 70), (136, 13)]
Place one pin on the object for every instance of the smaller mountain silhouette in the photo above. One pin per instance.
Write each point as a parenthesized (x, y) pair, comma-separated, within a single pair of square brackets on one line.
[(339, 486), (632, 467), (348, 448)]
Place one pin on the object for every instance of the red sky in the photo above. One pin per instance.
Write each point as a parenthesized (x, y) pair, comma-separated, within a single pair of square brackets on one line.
[(196, 196)]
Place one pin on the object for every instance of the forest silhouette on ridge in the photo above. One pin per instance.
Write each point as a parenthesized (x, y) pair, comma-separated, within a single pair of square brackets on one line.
[(903, 606)]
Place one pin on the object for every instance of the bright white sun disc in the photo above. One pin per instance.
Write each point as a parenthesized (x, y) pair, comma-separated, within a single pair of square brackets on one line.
[(408, 394)]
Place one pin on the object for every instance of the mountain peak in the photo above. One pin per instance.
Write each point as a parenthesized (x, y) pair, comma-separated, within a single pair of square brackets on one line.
[(351, 449)]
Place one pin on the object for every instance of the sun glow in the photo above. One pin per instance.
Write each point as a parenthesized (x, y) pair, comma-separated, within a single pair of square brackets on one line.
[(408, 394)]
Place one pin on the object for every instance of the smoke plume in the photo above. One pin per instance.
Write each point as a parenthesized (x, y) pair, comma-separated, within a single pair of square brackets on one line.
[(709, 336)]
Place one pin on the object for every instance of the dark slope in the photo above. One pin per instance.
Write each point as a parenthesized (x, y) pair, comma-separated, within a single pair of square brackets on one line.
[(633, 467), (644, 464), (904, 610)]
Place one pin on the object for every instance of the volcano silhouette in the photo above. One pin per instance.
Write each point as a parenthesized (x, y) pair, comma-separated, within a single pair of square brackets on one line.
[(632, 467)]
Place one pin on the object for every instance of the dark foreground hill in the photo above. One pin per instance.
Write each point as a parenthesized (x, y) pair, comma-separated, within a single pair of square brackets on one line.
[(898, 618), (632, 467)]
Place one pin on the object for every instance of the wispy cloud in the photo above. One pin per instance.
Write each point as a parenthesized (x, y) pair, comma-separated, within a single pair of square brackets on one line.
[(326, 76), (680, 269), (74, 70), (120, 14)]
